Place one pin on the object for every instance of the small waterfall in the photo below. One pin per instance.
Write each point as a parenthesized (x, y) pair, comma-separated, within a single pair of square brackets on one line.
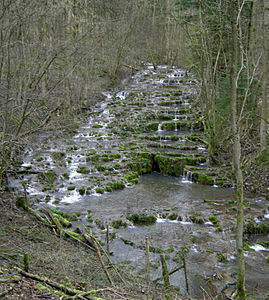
[(160, 127), (175, 119), (189, 176), (214, 183), (185, 221)]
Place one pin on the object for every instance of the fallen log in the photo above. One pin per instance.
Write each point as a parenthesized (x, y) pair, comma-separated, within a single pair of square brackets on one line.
[(61, 287)]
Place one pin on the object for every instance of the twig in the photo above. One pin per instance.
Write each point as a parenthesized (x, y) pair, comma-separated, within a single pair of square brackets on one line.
[(170, 273), (101, 260), (100, 246)]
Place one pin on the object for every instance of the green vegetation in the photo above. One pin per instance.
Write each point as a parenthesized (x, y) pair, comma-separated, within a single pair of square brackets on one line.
[(82, 190), (118, 223), (141, 219), (99, 190), (71, 188), (216, 222), (83, 170)]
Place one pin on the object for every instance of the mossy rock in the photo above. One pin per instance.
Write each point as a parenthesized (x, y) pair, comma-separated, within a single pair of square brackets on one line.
[(165, 117), (118, 223), (82, 191), (131, 176), (256, 228), (141, 219), (152, 127), (168, 165), (83, 170), (169, 126), (183, 125), (71, 188), (202, 178), (99, 190), (141, 166), (117, 185), (173, 217)]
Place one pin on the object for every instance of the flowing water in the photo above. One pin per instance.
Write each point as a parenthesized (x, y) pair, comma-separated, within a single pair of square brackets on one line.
[(182, 207)]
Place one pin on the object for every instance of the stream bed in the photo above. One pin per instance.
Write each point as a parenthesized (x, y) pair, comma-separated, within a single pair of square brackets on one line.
[(142, 152)]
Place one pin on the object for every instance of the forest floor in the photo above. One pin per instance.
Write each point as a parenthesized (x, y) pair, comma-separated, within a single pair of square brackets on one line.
[(61, 261)]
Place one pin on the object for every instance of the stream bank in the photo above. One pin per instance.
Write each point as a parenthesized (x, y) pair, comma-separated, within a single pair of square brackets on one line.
[(149, 128)]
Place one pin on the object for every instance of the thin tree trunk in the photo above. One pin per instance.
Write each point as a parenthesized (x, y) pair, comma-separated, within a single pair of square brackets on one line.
[(265, 81), (241, 293)]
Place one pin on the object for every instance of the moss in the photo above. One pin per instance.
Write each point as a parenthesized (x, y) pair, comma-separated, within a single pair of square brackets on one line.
[(174, 138), (216, 222), (183, 125), (213, 220), (131, 176), (96, 157), (202, 178), (222, 257), (152, 127), (83, 170), (71, 188), (77, 230), (192, 161), (114, 156), (82, 190), (134, 181), (168, 166), (169, 126), (142, 219), (100, 190), (118, 223), (62, 220), (97, 126), (116, 166), (173, 217), (21, 202), (108, 189), (100, 168), (117, 185), (73, 234), (165, 117), (39, 159), (66, 176)]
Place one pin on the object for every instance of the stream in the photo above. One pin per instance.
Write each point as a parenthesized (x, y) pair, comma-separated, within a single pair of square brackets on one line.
[(142, 152)]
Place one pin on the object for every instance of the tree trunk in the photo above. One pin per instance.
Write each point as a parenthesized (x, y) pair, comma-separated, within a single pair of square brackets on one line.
[(265, 80), (241, 293)]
